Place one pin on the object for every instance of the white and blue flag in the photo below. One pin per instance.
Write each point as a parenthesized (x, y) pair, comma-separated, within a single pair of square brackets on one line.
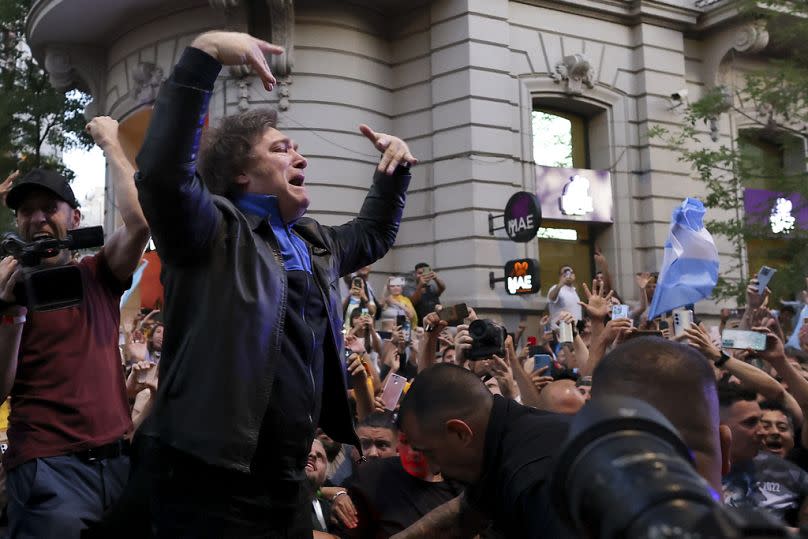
[(690, 266)]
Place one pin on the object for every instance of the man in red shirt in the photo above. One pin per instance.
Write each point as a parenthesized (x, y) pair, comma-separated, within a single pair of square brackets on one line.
[(66, 460)]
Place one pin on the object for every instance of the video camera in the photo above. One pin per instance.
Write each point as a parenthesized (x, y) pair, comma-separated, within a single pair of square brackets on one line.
[(47, 288), (487, 339), (625, 473)]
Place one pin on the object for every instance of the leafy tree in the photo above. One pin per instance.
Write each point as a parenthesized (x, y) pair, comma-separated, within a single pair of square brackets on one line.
[(38, 122), (772, 104)]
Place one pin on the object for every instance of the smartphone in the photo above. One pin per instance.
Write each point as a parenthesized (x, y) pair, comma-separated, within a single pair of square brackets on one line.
[(541, 361), (404, 322), (365, 311), (682, 319), (619, 311), (455, 314), (742, 340), (565, 332), (392, 391), (357, 282), (534, 350), (763, 277)]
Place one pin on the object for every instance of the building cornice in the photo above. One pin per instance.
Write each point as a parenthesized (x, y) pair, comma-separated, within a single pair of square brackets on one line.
[(693, 19)]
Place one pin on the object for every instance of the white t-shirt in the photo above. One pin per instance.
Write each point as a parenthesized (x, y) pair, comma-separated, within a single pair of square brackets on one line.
[(567, 300)]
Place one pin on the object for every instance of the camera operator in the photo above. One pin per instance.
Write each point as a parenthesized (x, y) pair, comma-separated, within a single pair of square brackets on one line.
[(502, 450), (62, 368)]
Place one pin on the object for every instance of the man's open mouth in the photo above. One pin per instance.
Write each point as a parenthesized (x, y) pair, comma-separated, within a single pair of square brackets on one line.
[(297, 181), (773, 445)]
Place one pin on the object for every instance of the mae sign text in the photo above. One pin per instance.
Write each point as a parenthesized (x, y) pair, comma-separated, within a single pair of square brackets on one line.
[(522, 276), (522, 217)]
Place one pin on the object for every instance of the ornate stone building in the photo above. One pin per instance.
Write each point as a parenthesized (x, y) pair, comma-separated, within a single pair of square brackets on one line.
[(460, 80)]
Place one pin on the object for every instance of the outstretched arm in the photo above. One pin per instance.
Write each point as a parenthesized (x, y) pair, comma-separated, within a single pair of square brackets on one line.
[(125, 246), (179, 209), (367, 238)]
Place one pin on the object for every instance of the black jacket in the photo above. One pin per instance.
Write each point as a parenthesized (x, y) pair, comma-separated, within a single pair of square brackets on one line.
[(226, 286), (521, 444)]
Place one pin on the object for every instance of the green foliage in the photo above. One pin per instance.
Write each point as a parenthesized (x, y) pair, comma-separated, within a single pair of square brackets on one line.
[(775, 102), (37, 121)]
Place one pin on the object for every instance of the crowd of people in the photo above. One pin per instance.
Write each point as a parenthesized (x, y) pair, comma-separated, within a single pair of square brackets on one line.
[(277, 393)]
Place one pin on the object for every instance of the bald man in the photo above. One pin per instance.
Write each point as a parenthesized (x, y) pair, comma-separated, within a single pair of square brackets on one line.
[(561, 397), (678, 381), (502, 450)]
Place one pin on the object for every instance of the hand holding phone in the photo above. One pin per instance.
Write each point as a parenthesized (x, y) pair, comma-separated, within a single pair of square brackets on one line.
[(454, 314), (540, 361), (763, 277), (743, 340), (619, 311), (682, 319), (392, 391)]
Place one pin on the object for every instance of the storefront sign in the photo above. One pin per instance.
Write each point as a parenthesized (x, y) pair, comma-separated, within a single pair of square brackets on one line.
[(572, 194), (522, 276), (522, 217), (779, 212)]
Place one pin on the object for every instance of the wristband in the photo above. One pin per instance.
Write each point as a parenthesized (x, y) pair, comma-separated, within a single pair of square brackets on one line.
[(9, 320), (723, 359), (337, 495)]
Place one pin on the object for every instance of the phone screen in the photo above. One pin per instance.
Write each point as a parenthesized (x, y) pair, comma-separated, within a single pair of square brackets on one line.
[(540, 361), (743, 340)]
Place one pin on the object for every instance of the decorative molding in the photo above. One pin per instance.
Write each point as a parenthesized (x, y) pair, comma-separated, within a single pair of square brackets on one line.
[(282, 32), (752, 37), (147, 78), (576, 71), (82, 68), (748, 38)]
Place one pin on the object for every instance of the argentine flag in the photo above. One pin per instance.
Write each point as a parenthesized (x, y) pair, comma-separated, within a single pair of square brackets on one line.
[(690, 266)]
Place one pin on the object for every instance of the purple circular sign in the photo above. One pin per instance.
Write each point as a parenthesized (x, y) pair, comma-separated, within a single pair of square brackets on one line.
[(522, 217)]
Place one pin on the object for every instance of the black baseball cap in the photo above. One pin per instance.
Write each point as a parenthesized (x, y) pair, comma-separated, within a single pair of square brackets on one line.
[(41, 178)]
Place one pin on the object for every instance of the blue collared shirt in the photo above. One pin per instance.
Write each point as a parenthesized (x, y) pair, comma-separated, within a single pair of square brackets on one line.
[(294, 250)]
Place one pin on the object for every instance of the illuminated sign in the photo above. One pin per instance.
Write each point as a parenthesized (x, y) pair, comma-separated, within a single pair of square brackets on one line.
[(574, 194), (522, 217), (522, 276), (565, 234), (576, 199), (781, 219), (779, 212)]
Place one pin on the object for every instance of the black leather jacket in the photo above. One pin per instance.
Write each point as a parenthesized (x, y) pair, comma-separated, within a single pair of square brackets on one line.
[(225, 288)]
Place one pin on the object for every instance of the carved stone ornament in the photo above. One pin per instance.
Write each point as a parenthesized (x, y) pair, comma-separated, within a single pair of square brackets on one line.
[(71, 66), (147, 78), (282, 29), (752, 37), (576, 71)]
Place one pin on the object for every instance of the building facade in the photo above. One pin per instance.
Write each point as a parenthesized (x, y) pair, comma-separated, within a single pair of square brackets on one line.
[(462, 82)]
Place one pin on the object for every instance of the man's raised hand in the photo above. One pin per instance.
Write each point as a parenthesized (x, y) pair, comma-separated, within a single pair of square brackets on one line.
[(598, 300), (104, 131), (236, 48), (395, 151)]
